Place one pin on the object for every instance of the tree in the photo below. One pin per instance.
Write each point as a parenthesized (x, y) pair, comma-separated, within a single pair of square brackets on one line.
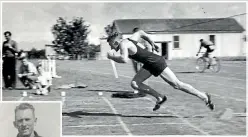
[(32, 53), (36, 54), (71, 36)]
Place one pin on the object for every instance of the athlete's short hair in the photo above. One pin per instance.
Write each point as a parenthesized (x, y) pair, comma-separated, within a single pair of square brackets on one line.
[(136, 29), (112, 36), (24, 106), (201, 40)]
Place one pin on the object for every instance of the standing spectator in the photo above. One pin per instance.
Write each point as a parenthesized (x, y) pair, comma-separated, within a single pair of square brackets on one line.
[(10, 51)]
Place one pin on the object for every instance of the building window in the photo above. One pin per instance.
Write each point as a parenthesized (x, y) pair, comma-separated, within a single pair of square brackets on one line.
[(176, 42), (212, 38)]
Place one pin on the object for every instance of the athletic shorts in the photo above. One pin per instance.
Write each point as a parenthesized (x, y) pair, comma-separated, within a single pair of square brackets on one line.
[(210, 50), (156, 68)]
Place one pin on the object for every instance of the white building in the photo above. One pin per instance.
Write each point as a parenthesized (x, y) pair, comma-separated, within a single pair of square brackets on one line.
[(179, 38)]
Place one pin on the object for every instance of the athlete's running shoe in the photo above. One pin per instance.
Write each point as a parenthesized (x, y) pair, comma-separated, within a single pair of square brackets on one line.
[(159, 103), (209, 102)]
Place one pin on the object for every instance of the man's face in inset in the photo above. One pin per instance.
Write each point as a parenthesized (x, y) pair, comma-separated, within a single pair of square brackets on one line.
[(25, 121)]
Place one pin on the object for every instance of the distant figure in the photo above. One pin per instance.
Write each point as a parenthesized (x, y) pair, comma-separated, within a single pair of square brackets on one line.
[(210, 48), (28, 73), (9, 50), (25, 120)]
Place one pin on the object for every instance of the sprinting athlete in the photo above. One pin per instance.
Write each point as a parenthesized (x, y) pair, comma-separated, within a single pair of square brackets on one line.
[(153, 65)]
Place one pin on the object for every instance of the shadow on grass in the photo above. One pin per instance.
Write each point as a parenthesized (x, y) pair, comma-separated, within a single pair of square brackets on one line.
[(80, 114), (112, 91), (188, 72), (16, 89), (122, 94)]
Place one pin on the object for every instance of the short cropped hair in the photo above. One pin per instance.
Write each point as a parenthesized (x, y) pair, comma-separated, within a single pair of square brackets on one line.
[(112, 36), (24, 106), (136, 29), (201, 40), (7, 32)]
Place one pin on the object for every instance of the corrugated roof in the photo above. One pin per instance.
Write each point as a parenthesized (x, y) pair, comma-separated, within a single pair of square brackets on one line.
[(125, 26)]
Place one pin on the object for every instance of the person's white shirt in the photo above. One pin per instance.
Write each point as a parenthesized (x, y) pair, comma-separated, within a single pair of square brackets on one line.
[(45, 78)]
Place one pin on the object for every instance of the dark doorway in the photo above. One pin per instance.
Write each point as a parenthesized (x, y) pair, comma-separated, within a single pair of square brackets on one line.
[(164, 47)]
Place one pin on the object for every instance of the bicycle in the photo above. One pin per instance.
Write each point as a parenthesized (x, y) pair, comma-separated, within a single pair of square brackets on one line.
[(203, 63)]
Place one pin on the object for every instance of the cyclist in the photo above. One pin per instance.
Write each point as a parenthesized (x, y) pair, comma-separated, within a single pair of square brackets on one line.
[(210, 48)]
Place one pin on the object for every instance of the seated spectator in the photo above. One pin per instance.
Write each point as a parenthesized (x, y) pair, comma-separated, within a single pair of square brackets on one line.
[(44, 81), (28, 73)]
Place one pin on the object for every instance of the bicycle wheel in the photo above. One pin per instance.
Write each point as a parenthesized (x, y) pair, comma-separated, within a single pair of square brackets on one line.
[(201, 64), (216, 67)]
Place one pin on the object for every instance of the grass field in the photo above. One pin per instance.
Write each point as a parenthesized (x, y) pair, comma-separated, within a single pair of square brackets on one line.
[(87, 113)]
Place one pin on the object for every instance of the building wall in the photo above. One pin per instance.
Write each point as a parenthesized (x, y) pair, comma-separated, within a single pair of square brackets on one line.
[(227, 44), (232, 45), (104, 49)]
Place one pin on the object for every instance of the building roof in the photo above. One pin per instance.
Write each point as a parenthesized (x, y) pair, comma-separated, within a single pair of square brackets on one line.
[(201, 25)]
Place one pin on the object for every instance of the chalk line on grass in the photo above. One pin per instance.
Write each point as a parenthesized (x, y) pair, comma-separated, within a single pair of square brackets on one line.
[(124, 126), (183, 119), (21, 99), (236, 99), (116, 125)]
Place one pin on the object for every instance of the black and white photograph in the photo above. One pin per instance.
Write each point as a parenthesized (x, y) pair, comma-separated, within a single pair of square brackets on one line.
[(30, 119), (129, 68)]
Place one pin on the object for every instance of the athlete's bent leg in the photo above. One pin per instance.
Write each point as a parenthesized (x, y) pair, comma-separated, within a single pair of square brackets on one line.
[(137, 83)]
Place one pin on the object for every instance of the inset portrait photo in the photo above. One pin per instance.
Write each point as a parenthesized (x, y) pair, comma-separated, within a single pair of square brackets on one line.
[(30, 119)]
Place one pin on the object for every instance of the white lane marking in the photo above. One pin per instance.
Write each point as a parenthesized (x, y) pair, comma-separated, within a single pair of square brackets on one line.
[(183, 119), (116, 125), (124, 126)]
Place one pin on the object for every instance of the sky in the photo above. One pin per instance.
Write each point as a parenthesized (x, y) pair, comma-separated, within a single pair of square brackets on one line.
[(31, 23)]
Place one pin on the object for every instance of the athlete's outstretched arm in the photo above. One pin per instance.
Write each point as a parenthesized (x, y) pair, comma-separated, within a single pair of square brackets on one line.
[(123, 57)]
